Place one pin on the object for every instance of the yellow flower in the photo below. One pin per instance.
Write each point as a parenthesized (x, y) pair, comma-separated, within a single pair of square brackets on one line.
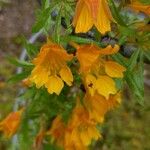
[(105, 86), (78, 133), (136, 5), (97, 71), (87, 55), (51, 69), (98, 106), (92, 12), (10, 124), (81, 130)]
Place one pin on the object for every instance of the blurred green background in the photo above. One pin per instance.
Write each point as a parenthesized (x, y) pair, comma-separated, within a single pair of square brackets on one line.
[(125, 128)]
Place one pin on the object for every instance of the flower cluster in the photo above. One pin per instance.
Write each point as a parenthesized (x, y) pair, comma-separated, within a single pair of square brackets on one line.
[(54, 67), (101, 95)]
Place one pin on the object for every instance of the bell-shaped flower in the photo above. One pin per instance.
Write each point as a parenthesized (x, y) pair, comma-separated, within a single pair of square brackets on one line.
[(92, 12), (11, 123), (98, 106), (81, 130), (97, 71), (51, 68)]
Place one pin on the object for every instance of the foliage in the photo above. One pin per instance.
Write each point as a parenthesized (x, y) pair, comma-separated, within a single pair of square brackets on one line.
[(80, 66)]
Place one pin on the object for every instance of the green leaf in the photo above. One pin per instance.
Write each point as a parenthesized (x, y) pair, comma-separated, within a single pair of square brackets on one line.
[(80, 40), (42, 19), (146, 2), (20, 63), (119, 83), (31, 49), (147, 55), (18, 77), (116, 14), (57, 28), (133, 60), (45, 4), (51, 147), (135, 80), (120, 59)]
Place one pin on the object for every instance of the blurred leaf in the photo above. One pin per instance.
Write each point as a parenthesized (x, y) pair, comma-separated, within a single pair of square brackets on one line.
[(80, 40), (20, 63), (116, 14), (51, 147), (135, 80), (31, 49), (119, 83), (134, 73), (133, 60), (57, 28), (146, 2), (18, 77), (120, 59), (42, 18), (147, 55), (45, 4)]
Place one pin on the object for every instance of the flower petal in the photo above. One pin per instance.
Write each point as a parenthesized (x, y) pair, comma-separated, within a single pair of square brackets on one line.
[(114, 69), (105, 86), (87, 55), (103, 20), (54, 85), (85, 138), (109, 50), (39, 76), (83, 19), (66, 75), (93, 133)]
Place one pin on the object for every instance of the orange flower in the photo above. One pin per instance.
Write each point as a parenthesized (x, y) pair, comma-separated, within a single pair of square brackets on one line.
[(81, 130), (98, 106), (78, 133), (39, 138), (136, 5), (92, 12), (10, 124), (51, 68), (57, 130), (97, 71)]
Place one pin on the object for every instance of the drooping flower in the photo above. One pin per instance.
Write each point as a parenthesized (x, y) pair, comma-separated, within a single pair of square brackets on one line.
[(78, 133), (138, 6), (51, 68), (81, 130), (92, 12), (98, 106), (97, 71), (11, 123)]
